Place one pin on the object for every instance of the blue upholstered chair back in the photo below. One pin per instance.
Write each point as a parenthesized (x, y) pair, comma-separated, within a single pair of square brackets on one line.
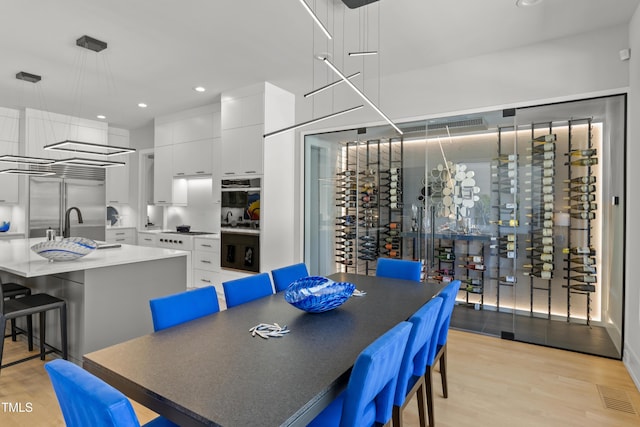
[(283, 277), (399, 269), (85, 400), (448, 295), (247, 289), (414, 361), (369, 394), (172, 310)]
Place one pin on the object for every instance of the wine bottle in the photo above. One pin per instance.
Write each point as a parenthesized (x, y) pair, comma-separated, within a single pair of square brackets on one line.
[(545, 189), (587, 161), (345, 262), (394, 191), (509, 246), (583, 152), (347, 205), (544, 155), (583, 288), (580, 250), (392, 205), (546, 257), (347, 217), (509, 222), (346, 243), (441, 278), (509, 190), (445, 271), (541, 240), (503, 158), (370, 245), (586, 206), (349, 192), (537, 148), (390, 178), (508, 279), (541, 274), (391, 239), (347, 173), (390, 246), (346, 224), (545, 266), (345, 256), (584, 188), (545, 249), (368, 238), (447, 249), (392, 253), (544, 232), (505, 173), (585, 269), (585, 279), (445, 256), (545, 215), (391, 232), (506, 238), (582, 197), (545, 138), (367, 257), (473, 289), (542, 180), (389, 198), (346, 236), (547, 164), (478, 267), (507, 254), (475, 259), (546, 198), (584, 260), (582, 180), (347, 249), (583, 215)]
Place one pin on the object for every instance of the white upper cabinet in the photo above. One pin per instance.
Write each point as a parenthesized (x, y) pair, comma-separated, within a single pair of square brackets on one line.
[(117, 181), (9, 144), (193, 158)]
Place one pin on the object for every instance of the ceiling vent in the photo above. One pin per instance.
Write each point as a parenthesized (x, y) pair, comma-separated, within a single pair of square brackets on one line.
[(454, 126), (354, 4), (91, 43)]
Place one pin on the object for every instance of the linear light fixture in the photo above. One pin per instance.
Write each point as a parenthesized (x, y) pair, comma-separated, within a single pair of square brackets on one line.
[(89, 148), (26, 172), (25, 160), (315, 18), (364, 53), (362, 95), (329, 86), (92, 163), (316, 120)]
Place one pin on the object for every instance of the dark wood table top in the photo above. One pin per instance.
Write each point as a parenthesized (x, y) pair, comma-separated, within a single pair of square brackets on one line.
[(211, 371)]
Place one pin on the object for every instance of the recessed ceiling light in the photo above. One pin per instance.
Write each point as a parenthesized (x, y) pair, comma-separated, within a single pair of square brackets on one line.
[(142, 105), (101, 116), (199, 89), (527, 3)]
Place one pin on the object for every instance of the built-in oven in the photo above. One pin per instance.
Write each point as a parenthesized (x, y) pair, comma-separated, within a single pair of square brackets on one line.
[(240, 208), (240, 251)]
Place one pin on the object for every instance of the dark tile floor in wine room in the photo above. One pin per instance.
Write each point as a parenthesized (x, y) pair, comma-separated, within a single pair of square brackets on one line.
[(578, 337)]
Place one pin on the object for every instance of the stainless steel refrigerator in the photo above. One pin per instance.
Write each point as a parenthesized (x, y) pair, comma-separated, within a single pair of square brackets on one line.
[(50, 198)]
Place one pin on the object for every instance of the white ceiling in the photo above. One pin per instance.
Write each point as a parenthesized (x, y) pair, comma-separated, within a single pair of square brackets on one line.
[(160, 49)]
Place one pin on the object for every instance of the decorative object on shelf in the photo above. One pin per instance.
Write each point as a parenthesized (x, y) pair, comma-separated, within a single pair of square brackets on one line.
[(67, 249), (5, 226), (112, 215), (316, 294)]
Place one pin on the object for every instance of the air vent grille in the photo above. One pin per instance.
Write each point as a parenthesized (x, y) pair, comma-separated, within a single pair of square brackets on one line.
[(459, 125), (616, 399), (71, 171)]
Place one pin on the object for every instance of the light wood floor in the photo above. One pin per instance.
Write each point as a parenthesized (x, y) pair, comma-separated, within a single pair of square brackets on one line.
[(492, 382)]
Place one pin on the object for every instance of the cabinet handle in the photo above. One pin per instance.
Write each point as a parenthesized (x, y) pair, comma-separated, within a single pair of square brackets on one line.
[(120, 240), (249, 171), (205, 280), (205, 246), (113, 201), (205, 261), (199, 171), (120, 234), (229, 173), (180, 173), (147, 240), (162, 201)]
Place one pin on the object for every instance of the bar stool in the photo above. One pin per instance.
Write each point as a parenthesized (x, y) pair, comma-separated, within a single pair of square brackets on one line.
[(26, 306), (11, 291)]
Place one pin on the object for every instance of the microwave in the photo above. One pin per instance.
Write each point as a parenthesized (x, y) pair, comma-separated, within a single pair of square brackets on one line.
[(235, 199)]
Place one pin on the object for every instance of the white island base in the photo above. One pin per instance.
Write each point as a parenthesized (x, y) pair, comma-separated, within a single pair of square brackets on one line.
[(107, 293)]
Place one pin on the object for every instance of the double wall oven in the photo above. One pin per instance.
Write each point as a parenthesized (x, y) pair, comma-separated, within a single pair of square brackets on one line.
[(240, 224)]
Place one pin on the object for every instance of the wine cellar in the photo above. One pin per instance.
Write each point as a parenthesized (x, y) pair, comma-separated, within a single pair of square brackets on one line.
[(513, 204)]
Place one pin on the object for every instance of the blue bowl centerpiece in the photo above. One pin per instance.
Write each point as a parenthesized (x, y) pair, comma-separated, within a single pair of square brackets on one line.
[(316, 294), (66, 249), (5, 226)]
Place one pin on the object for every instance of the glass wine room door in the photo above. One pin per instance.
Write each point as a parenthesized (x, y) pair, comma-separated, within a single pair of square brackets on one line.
[(524, 206)]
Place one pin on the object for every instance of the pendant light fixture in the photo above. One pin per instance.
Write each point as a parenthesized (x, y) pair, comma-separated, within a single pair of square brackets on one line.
[(310, 122), (316, 19), (89, 148), (329, 86)]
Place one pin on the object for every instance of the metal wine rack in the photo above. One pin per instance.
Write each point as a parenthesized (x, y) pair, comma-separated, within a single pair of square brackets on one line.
[(541, 248), (505, 189), (369, 204), (581, 274)]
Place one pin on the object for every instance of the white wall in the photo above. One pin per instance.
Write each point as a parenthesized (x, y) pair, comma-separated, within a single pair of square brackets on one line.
[(632, 296)]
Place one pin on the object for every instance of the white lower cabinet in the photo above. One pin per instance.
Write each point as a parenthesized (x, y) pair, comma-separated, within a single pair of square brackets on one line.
[(206, 266), (147, 239), (121, 235)]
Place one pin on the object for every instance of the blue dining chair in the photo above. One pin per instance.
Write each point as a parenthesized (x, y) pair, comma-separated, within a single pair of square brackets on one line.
[(438, 347), (247, 289), (283, 277), (86, 400), (172, 310), (368, 398), (399, 269), (414, 362)]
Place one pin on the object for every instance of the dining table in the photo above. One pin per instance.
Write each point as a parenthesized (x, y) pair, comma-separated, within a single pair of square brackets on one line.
[(212, 371)]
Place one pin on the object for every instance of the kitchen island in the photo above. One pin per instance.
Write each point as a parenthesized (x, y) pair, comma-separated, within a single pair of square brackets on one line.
[(107, 291)]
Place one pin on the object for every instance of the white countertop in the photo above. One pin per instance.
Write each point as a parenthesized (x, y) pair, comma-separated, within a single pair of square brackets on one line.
[(17, 257)]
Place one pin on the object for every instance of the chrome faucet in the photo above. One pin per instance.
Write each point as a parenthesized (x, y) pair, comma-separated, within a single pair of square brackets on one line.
[(67, 214)]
